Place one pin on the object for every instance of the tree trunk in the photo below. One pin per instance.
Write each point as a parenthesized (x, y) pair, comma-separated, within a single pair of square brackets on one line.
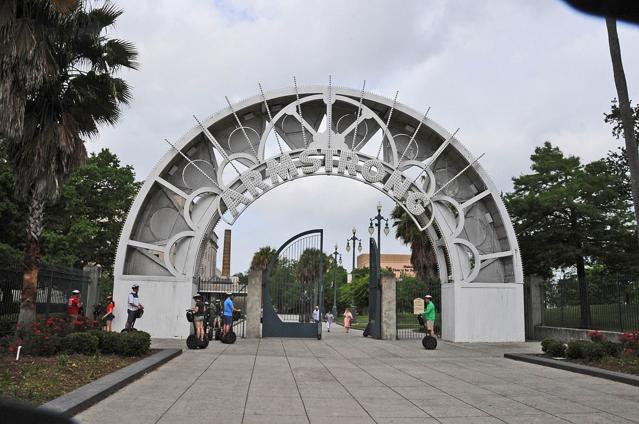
[(31, 263), (584, 302), (627, 122)]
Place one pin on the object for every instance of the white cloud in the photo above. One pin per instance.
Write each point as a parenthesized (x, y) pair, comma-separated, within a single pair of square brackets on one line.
[(511, 74)]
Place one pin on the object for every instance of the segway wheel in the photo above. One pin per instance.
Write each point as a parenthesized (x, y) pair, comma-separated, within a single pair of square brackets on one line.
[(429, 342), (191, 342), (203, 344), (229, 338)]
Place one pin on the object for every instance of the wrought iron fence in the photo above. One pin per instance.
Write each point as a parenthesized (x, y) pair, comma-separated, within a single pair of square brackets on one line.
[(55, 284), (407, 326), (214, 291), (613, 299)]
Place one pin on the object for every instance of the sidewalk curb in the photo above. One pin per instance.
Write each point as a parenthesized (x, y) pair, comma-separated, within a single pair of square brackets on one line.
[(83, 397), (578, 368)]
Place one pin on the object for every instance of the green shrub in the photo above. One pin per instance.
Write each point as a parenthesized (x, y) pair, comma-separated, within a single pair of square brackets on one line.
[(83, 343), (594, 351), (110, 342), (556, 348), (545, 342), (576, 348), (134, 343)]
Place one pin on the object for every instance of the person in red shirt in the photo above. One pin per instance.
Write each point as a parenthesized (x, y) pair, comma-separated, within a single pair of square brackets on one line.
[(74, 305), (108, 316)]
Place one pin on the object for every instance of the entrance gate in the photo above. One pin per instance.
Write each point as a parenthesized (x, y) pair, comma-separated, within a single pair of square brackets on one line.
[(292, 286)]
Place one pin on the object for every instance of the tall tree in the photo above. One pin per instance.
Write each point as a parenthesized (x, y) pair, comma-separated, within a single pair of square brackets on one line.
[(625, 113), (26, 55), (60, 114), (84, 225), (565, 215), (261, 258), (422, 255)]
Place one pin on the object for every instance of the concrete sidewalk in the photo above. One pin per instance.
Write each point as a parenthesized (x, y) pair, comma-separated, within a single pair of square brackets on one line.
[(347, 378)]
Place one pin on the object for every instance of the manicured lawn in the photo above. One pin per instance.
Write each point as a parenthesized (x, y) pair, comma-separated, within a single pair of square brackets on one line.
[(39, 379), (603, 317)]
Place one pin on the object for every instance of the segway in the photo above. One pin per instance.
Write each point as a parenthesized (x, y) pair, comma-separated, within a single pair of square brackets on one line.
[(192, 342), (231, 337), (429, 342)]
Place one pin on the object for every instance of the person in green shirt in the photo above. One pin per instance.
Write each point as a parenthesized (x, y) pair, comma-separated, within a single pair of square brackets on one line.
[(429, 315)]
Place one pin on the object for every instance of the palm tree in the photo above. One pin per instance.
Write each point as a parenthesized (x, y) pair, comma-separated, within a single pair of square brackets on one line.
[(309, 269), (261, 258), (625, 112), (422, 255), (26, 57), (60, 114)]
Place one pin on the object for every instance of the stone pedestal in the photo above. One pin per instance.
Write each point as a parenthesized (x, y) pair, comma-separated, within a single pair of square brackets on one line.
[(90, 295), (389, 313), (254, 305)]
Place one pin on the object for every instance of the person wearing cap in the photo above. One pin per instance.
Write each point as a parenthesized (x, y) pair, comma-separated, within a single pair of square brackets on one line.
[(198, 316), (429, 314), (108, 316), (133, 307), (229, 308), (74, 305)]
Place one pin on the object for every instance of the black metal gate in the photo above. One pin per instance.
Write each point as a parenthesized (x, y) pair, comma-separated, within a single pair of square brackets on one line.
[(374, 327), (293, 285)]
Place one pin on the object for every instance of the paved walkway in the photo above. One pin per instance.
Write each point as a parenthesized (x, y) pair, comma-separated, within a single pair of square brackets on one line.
[(348, 379)]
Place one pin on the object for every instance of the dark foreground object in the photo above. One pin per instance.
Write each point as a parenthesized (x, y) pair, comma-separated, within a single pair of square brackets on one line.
[(578, 368), (82, 398)]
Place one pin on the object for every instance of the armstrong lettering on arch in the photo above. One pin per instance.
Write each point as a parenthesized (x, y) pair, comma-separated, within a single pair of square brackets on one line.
[(257, 180)]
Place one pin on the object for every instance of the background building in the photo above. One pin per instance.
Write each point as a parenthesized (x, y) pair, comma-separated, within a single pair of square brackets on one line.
[(399, 263)]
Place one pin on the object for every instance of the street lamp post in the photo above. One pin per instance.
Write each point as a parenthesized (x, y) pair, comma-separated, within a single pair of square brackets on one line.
[(379, 218), (335, 254), (353, 239)]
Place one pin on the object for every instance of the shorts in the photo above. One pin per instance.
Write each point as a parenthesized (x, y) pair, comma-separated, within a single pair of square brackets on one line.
[(228, 320), (430, 325), (198, 318)]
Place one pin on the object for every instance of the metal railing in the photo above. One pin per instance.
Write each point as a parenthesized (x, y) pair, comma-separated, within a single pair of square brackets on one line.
[(55, 284), (613, 302)]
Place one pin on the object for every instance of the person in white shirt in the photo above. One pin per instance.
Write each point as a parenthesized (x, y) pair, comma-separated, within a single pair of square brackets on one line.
[(133, 307), (329, 320), (316, 314)]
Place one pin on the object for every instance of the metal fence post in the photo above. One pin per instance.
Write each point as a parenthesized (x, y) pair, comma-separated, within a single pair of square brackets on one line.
[(49, 288), (619, 303)]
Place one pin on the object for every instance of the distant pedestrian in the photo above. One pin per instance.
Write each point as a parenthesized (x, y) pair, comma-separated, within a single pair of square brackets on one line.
[(429, 315), (108, 316), (329, 320), (316, 314), (134, 307), (74, 306), (348, 316)]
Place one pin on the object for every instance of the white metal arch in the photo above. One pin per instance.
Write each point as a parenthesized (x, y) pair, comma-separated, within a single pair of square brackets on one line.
[(489, 273)]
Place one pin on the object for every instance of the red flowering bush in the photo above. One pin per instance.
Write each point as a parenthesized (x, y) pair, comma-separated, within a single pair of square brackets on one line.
[(630, 343), (596, 336)]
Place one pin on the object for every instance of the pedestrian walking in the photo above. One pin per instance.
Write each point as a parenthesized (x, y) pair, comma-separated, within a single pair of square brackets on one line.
[(108, 316), (348, 316), (329, 317), (134, 307)]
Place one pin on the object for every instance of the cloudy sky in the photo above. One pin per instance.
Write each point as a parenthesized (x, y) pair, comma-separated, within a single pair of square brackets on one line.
[(510, 74)]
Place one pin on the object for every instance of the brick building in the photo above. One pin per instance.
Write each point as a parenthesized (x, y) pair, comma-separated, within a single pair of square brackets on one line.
[(399, 263)]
